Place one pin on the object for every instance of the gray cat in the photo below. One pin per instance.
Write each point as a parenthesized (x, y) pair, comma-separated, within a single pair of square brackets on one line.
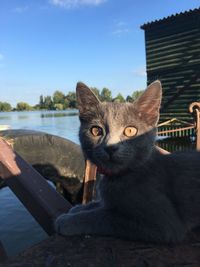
[(144, 195)]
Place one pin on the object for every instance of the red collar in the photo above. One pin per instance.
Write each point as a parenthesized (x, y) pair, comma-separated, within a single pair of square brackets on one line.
[(108, 173), (105, 172)]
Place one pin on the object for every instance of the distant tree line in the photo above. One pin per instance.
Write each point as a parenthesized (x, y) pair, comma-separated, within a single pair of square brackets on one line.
[(60, 101)]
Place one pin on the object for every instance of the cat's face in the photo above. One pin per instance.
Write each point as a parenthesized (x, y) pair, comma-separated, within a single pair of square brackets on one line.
[(118, 136)]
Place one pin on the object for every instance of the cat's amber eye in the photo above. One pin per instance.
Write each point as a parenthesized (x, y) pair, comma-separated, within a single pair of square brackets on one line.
[(130, 131), (96, 131)]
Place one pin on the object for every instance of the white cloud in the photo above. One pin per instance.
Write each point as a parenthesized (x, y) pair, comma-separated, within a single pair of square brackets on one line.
[(20, 9), (119, 32), (140, 71), (75, 3), (121, 24), (120, 28)]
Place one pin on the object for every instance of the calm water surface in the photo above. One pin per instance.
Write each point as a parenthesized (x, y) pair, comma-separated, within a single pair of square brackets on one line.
[(18, 229)]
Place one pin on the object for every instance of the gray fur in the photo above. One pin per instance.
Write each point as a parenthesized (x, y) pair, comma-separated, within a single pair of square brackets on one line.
[(147, 196)]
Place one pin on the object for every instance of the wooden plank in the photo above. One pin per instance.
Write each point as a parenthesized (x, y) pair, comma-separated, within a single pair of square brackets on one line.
[(183, 98), (172, 27), (39, 197), (170, 57), (175, 130), (98, 251), (168, 117), (89, 182), (173, 42), (185, 34), (166, 72), (197, 129), (174, 47), (173, 63), (170, 67)]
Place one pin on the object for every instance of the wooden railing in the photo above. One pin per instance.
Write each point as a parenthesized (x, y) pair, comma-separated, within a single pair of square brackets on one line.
[(194, 109)]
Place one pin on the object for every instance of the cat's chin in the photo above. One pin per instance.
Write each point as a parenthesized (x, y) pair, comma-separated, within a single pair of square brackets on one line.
[(111, 168)]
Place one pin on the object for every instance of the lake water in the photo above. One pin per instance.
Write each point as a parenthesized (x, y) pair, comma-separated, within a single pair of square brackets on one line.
[(18, 229)]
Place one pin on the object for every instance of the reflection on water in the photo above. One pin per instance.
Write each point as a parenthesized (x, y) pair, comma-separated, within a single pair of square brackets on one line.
[(58, 114), (2, 117), (19, 229), (23, 117)]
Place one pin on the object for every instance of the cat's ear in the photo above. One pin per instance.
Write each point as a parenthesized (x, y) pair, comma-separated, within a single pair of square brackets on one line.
[(148, 104), (86, 100)]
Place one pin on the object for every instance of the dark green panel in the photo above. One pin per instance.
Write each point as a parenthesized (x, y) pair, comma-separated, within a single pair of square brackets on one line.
[(173, 57)]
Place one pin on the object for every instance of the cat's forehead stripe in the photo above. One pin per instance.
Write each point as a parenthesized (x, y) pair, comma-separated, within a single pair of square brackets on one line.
[(117, 111)]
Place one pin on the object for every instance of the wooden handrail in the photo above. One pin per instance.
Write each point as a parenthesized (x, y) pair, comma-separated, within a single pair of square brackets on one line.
[(177, 130), (89, 182), (194, 108), (37, 195)]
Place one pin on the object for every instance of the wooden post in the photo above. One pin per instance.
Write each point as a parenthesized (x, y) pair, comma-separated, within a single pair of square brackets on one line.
[(197, 129), (194, 108), (89, 182), (162, 151), (39, 197)]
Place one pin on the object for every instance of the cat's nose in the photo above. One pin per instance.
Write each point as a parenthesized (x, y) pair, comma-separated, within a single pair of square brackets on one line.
[(111, 149)]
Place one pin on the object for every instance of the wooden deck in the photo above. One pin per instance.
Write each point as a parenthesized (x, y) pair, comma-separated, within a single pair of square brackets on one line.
[(86, 251)]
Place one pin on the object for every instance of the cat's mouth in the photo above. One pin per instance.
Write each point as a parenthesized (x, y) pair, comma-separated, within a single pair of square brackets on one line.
[(108, 162), (104, 171), (111, 170), (111, 160), (110, 167)]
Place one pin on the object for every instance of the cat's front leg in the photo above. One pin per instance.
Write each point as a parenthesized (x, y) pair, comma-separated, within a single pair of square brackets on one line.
[(94, 222), (84, 207)]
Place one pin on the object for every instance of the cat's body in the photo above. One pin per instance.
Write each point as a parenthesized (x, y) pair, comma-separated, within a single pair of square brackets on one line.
[(144, 195)]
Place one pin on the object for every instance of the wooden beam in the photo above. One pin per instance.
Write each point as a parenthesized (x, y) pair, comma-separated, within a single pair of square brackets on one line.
[(89, 182), (37, 195), (197, 129)]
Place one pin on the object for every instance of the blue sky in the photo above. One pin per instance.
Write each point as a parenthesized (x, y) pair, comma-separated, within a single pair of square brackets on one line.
[(48, 45)]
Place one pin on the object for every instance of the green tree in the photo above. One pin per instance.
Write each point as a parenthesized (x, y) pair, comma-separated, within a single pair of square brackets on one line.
[(71, 97), (58, 97), (106, 95), (66, 103), (136, 94), (37, 107), (48, 103), (119, 98), (96, 92), (58, 106), (129, 99), (4, 106), (41, 102), (21, 106)]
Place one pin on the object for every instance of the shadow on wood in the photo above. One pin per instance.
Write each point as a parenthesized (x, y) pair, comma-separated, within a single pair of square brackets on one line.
[(86, 251)]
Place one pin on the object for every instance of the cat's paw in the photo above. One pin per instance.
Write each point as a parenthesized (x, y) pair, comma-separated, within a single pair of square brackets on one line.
[(76, 209), (67, 224)]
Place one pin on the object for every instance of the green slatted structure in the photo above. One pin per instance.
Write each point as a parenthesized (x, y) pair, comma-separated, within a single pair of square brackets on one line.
[(173, 56)]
